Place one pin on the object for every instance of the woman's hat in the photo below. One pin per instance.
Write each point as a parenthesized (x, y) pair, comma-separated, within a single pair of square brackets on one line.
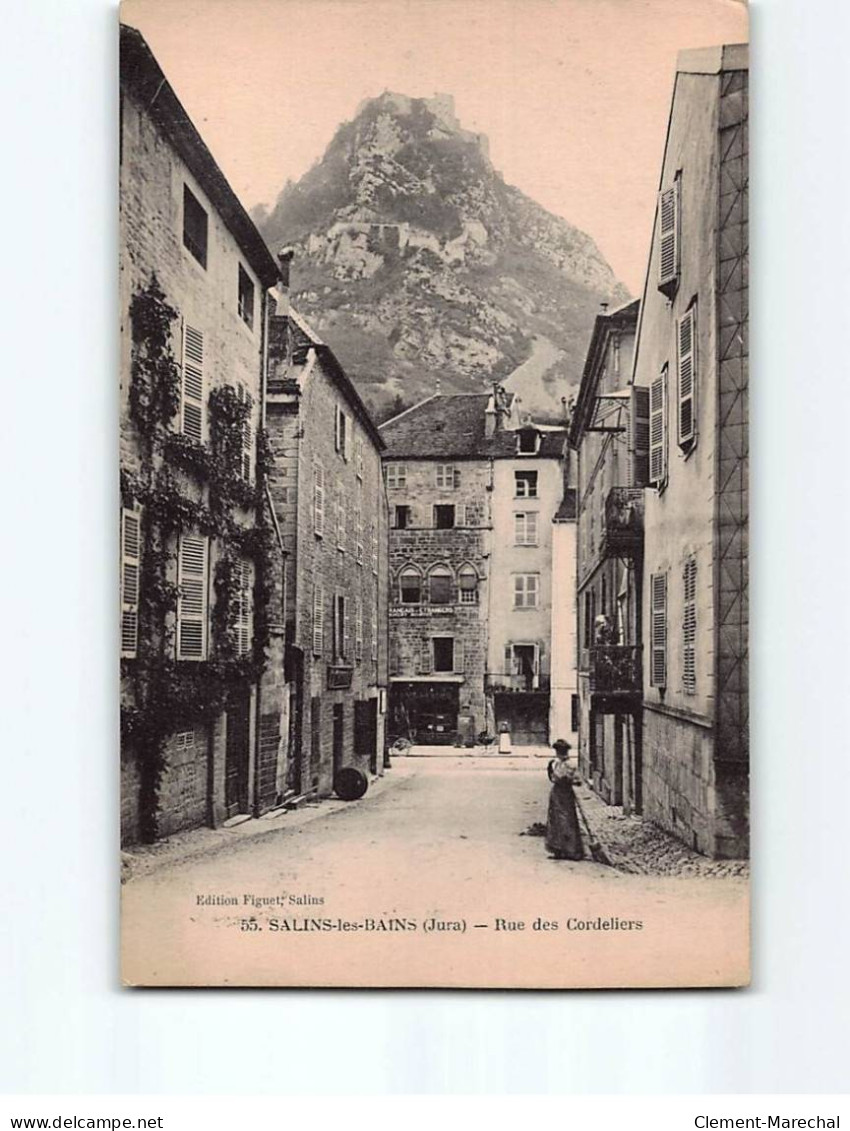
[(561, 744)]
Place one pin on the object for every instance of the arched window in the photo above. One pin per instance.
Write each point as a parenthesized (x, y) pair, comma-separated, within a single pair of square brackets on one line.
[(440, 586), (410, 586), (467, 581)]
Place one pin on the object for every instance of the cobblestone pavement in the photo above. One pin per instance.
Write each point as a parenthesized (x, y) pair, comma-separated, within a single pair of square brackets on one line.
[(637, 846)]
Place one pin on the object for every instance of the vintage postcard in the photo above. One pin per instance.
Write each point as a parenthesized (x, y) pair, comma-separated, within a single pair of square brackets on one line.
[(434, 493)]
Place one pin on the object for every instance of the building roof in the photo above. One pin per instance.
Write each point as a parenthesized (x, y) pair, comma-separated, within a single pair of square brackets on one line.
[(453, 426), (141, 73), (623, 318), (304, 339)]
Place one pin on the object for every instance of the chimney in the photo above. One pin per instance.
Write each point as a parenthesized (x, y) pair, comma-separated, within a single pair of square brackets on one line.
[(284, 259), (497, 409)]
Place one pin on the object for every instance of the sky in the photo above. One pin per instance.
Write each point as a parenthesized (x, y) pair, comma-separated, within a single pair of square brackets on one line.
[(573, 95)]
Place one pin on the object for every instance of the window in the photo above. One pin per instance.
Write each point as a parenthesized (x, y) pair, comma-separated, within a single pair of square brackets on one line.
[(525, 528), (447, 476), (689, 627), (340, 516), (318, 499), (341, 627), (668, 239), (358, 627), (658, 430), (401, 517), (358, 531), (658, 629), (318, 618), (440, 586), (526, 588), (192, 401), (523, 660), (246, 297), (473, 514), (373, 621), (244, 607), (131, 553), (525, 484), (358, 456), (467, 580), (444, 517), (373, 540), (396, 475), (410, 586), (194, 226), (527, 441), (342, 433), (193, 597), (444, 653), (687, 378)]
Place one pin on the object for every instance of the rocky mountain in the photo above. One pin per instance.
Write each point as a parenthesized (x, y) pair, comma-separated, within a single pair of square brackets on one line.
[(417, 263)]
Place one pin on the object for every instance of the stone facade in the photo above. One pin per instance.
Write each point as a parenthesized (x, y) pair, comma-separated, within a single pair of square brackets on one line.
[(695, 672), (212, 768), (338, 686)]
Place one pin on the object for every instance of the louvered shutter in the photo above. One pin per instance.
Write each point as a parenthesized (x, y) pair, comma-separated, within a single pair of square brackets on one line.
[(456, 479), (247, 437), (658, 430), (131, 553), (337, 429), (658, 629), (358, 531), (318, 619), (192, 386), (193, 597), (373, 537), (458, 656), (358, 456), (358, 627), (319, 499), (639, 436), (689, 627), (374, 623), (687, 377), (425, 657), (245, 610), (346, 629), (668, 239)]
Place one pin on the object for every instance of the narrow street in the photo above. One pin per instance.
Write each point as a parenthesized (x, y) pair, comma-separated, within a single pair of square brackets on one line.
[(437, 844)]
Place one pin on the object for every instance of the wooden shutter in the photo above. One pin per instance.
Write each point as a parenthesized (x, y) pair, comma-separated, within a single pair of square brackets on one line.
[(131, 554), (689, 627), (358, 531), (456, 477), (337, 429), (346, 628), (658, 430), (318, 618), (639, 436), (358, 627), (358, 450), (247, 436), (668, 239), (373, 537), (424, 664), (244, 608), (318, 499), (374, 622), (658, 629), (192, 384), (687, 377), (340, 516), (457, 661), (193, 597)]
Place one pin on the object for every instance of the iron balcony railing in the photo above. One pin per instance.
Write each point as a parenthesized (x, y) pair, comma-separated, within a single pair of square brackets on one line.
[(615, 669), (508, 681), (623, 529)]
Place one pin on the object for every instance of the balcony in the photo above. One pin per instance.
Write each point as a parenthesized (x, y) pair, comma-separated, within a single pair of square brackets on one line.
[(622, 532), (506, 682), (615, 670)]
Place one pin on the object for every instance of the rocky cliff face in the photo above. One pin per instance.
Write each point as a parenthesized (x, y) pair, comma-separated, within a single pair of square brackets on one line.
[(417, 263)]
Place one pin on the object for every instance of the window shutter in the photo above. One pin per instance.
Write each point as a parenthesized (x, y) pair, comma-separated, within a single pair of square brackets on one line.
[(247, 437), (346, 629), (358, 627), (358, 455), (425, 657), (668, 241), (193, 598), (131, 553), (509, 660), (374, 623), (373, 537), (458, 656), (337, 430), (245, 610), (457, 477), (192, 385), (658, 430), (639, 436), (689, 627), (658, 629), (687, 377), (358, 536), (318, 619), (318, 499), (531, 591)]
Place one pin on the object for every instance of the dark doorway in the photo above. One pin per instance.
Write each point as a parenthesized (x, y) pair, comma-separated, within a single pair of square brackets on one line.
[(294, 782), (366, 732), (338, 735), (315, 739), (236, 756)]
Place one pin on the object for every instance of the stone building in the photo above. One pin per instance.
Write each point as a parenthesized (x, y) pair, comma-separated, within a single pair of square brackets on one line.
[(472, 494), (199, 550), (692, 357), (610, 439), (328, 491)]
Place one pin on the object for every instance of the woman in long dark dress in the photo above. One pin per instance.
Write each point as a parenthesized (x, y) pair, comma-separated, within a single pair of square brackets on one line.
[(563, 834)]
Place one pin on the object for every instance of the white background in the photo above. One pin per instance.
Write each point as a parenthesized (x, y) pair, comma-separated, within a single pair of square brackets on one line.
[(66, 1026)]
